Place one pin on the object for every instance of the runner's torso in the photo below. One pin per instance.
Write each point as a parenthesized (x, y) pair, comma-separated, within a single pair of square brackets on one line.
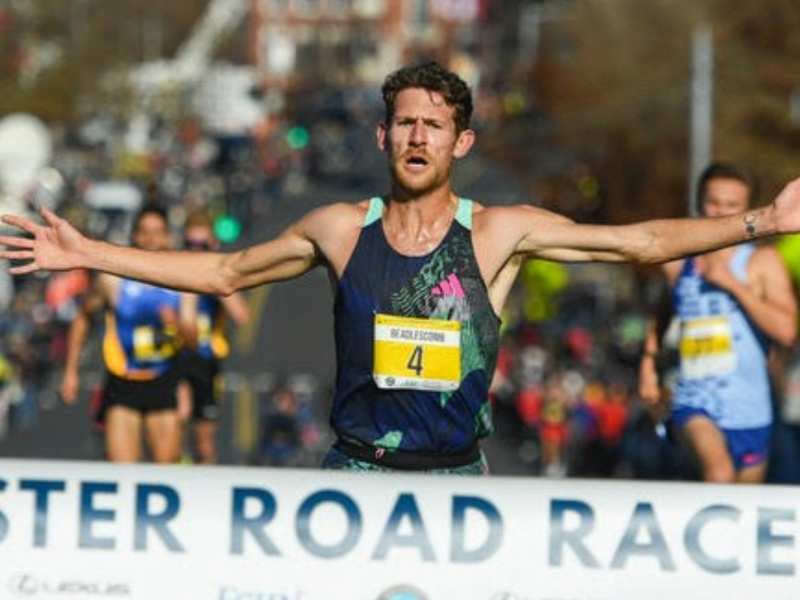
[(723, 355), (136, 343), (436, 347)]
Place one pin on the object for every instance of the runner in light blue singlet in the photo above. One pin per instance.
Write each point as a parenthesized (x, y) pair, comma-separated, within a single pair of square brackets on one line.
[(728, 380)]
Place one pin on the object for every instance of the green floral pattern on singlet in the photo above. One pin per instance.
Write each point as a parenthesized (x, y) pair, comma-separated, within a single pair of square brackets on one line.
[(446, 284)]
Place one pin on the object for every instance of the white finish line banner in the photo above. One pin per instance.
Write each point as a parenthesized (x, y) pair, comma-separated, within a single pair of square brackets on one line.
[(96, 531)]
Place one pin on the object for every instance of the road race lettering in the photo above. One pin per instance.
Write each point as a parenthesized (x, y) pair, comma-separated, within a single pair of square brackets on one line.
[(159, 518), (254, 509), (573, 536)]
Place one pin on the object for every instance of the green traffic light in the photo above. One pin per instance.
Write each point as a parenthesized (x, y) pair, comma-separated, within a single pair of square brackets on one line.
[(297, 137), (227, 229)]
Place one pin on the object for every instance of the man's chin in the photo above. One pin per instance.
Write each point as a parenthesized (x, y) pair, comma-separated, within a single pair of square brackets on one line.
[(417, 186)]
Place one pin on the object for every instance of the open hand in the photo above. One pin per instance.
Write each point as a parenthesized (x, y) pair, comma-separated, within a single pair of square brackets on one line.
[(787, 208), (53, 246)]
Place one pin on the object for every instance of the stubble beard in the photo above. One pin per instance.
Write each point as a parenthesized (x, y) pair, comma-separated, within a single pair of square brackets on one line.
[(409, 187)]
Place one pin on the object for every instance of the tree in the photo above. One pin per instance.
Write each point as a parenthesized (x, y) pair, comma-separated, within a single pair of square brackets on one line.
[(615, 78), (94, 40)]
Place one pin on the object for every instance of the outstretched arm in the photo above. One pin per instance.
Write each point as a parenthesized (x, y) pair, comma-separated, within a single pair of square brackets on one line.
[(543, 234), (57, 245)]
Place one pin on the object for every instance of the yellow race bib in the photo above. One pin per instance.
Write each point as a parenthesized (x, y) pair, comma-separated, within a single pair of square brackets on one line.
[(147, 348), (706, 347), (417, 354)]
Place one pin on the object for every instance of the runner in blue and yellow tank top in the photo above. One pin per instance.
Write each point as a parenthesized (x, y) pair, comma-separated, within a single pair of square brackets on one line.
[(140, 338), (200, 367), (144, 327)]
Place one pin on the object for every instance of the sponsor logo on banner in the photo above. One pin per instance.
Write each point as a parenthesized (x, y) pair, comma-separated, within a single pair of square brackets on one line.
[(402, 592), (28, 585), (231, 592), (506, 595)]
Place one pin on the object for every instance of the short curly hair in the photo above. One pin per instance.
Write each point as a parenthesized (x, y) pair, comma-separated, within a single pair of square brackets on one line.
[(435, 78)]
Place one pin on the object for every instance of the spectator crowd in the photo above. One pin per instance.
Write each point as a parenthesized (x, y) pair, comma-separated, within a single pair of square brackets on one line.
[(564, 394)]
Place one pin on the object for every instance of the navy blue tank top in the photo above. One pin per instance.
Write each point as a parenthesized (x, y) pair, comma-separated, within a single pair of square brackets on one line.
[(445, 284)]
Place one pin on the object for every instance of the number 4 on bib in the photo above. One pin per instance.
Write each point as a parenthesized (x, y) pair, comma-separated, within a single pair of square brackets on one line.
[(417, 354)]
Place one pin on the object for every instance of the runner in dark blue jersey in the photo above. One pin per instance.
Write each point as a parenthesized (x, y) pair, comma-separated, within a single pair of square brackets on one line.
[(200, 366), (419, 261)]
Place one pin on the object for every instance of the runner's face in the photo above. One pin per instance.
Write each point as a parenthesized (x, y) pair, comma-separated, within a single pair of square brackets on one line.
[(421, 141), (199, 238), (725, 197), (152, 233)]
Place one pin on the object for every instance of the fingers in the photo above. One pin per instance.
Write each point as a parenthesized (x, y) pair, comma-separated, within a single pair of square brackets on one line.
[(23, 269), (16, 242), (49, 216), (19, 248), (16, 255), (21, 223)]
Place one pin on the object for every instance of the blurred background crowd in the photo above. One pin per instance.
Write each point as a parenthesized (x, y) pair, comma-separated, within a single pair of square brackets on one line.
[(254, 108)]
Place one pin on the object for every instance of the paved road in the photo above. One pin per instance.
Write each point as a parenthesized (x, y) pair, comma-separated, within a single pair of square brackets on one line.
[(292, 333)]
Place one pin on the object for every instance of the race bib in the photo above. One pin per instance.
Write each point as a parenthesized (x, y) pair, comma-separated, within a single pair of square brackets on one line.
[(151, 346), (417, 354), (706, 348), (203, 328)]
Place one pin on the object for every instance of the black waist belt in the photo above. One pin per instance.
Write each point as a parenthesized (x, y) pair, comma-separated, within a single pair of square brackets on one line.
[(409, 460)]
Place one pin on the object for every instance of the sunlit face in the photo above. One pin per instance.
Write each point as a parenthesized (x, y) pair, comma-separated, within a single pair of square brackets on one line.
[(421, 141), (725, 197), (152, 233)]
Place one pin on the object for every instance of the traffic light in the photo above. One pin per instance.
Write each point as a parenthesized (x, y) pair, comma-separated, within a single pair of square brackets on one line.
[(227, 228), (298, 137)]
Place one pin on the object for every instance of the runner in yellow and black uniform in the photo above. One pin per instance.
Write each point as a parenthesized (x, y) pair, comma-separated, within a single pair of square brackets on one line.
[(144, 325)]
